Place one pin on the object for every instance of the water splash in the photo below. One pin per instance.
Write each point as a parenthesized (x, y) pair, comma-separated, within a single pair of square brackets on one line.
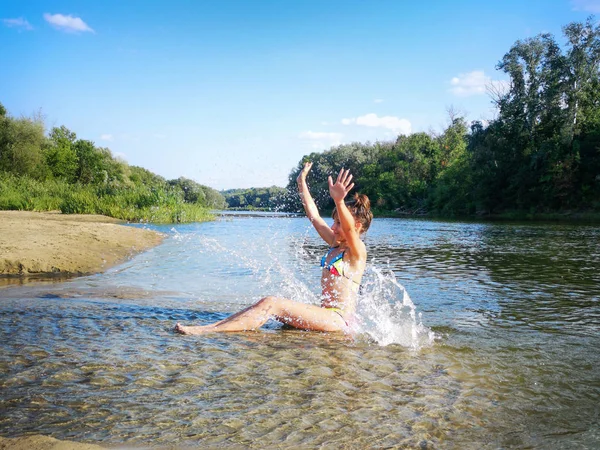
[(386, 313)]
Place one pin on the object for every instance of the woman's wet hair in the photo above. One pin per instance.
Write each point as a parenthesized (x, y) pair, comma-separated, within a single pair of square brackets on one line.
[(360, 208)]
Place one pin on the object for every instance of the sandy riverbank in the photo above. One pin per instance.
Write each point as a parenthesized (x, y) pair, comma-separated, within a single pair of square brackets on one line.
[(43, 443), (42, 243)]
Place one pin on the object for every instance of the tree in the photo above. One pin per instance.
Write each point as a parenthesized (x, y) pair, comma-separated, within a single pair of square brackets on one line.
[(89, 168), (583, 61), (60, 154), (21, 143)]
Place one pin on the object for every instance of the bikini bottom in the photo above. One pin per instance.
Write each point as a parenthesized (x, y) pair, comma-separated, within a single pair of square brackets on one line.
[(338, 311)]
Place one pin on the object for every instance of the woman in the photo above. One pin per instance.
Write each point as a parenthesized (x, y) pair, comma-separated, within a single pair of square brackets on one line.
[(343, 267)]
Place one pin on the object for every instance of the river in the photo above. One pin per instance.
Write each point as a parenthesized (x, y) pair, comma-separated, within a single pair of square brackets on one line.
[(472, 335)]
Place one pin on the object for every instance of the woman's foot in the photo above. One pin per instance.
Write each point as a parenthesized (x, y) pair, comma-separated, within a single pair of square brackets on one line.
[(192, 330)]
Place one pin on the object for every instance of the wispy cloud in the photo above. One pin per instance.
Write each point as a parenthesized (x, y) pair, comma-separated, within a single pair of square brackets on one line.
[(322, 139), (592, 6), (471, 83), (378, 100), (68, 23), (475, 83), (107, 137), (395, 124), (20, 23)]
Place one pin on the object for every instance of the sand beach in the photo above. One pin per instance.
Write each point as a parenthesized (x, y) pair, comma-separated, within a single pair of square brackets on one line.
[(51, 243)]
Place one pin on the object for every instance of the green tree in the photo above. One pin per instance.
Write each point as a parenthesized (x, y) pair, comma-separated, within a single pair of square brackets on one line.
[(21, 142), (60, 154), (90, 167), (583, 62)]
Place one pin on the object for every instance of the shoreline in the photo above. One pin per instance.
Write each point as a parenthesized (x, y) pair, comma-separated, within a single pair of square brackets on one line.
[(41, 442), (50, 244)]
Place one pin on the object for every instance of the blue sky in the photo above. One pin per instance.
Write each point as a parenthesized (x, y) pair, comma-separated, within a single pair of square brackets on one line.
[(233, 93)]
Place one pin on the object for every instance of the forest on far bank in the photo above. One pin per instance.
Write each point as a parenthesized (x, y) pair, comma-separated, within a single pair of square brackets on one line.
[(540, 155)]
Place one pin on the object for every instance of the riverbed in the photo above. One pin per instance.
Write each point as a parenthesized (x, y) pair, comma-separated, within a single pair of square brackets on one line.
[(472, 335)]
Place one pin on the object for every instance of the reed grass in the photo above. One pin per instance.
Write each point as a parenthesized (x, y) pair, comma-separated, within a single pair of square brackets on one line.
[(133, 203)]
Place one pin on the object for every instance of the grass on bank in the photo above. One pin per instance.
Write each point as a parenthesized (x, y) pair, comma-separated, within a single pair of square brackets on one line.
[(133, 203)]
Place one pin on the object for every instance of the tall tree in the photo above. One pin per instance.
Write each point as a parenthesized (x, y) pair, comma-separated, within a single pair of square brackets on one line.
[(60, 154), (21, 143), (583, 62)]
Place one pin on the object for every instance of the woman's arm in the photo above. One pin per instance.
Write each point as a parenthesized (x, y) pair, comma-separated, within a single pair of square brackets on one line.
[(310, 208), (338, 192)]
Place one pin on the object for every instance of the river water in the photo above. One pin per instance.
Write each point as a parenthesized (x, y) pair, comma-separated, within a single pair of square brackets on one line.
[(471, 335)]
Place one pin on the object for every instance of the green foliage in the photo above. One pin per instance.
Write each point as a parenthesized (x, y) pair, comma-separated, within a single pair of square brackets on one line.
[(61, 172), (271, 198), (20, 144), (61, 157), (197, 193)]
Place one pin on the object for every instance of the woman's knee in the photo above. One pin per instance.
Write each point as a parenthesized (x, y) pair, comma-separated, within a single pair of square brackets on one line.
[(269, 301)]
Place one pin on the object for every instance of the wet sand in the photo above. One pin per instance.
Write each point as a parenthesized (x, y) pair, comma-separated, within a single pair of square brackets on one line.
[(50, 243), (43, 443)]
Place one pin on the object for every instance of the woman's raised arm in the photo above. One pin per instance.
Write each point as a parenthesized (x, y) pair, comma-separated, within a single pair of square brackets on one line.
[(338, 191), (310, 208)]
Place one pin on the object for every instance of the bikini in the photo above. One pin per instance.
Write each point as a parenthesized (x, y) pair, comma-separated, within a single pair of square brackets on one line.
[(336, 267)]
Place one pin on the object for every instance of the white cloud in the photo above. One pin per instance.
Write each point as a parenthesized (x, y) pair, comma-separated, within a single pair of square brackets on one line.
[(592, 6), (378, 100), (322, 139), (397, 125), (67, 23), (471, 83), (106, 137), (17, 23), (475, 83)]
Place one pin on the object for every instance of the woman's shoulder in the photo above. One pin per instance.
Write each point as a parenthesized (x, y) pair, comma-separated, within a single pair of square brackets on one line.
[(357, 253)]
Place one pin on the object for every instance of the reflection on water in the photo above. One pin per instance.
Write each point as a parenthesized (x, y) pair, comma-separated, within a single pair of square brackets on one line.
[(515, 310)]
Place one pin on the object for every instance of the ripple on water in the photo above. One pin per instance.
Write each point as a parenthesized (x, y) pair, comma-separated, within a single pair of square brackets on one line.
[(514, 364)]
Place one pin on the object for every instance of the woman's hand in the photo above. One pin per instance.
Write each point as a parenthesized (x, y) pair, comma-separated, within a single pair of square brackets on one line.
[(342, 185), (302, 176)]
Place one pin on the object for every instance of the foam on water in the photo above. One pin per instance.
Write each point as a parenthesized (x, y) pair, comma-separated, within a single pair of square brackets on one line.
[(387, 314)]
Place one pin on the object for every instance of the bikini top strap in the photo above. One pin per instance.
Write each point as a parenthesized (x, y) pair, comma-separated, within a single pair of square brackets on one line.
[(326, 255)]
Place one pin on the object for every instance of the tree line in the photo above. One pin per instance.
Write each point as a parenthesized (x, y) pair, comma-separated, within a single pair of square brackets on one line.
[(58, 171), (270, 198), (540, 154)]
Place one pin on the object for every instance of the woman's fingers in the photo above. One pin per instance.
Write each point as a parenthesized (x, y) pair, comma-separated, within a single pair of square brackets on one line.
[(344, 177)]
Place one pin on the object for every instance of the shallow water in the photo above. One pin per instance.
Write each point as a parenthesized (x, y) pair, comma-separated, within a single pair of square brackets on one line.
[(514, 310)]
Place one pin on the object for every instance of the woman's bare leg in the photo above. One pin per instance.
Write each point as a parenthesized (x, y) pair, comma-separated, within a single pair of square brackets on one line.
[(296, 314)]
